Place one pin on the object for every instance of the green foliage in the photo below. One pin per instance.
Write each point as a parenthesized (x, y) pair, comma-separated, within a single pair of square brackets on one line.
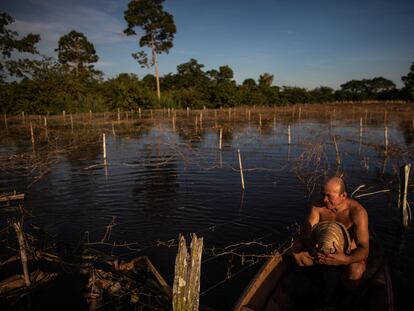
[(190, 75), (75, 49), (409, 83), (265, 79), (158, 27), (9, 43), (127, 92), (71, 84)]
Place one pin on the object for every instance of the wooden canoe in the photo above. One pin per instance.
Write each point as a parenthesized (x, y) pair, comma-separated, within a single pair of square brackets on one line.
[(281, 285)]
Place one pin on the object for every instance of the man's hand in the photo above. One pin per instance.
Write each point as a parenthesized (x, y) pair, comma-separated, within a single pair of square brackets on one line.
[(303, 259), (337, 259)]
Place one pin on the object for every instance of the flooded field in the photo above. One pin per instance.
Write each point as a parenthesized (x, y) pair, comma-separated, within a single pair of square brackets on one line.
[(170, 172)]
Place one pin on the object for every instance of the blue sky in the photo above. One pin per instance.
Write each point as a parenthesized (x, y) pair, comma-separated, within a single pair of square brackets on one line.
[(302, 43)]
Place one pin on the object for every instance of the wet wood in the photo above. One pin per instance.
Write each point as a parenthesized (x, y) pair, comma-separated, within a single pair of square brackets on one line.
[(241, 169), (11, 197), (22, 245), (402, 202), (186, 286)]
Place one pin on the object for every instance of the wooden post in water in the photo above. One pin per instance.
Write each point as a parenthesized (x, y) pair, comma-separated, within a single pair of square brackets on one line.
[(71, 122), (221, 139), (32, 136), (188, 112), (23, 119), (241, 169), (402, 199), (119, 116), (168, 112), (139, 112), (113, 129), (385, 140), (196, 123), (201, 120), (186, 287), (23, 257), (289, 138), (260, 120), (45, 122), (90, 115), (338, 156), (64, 115), (104, 146), (173, 123)]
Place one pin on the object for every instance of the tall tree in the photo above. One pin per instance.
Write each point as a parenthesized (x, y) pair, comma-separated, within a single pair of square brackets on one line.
[(380, 84), (75, 50), (265, 79), (158, 27), (191, 75), (10, 43), (354, 86), (409, 81)]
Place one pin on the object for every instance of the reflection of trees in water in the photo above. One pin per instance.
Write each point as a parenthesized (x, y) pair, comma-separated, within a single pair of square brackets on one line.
[(407, 131), (156, 186), (191, 136)]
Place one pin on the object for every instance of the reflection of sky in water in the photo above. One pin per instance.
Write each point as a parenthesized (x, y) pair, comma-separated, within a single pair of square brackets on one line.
[(160, 183)]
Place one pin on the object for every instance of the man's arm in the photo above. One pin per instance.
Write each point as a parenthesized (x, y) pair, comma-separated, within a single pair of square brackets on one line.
[(359, 217), (312, 219)]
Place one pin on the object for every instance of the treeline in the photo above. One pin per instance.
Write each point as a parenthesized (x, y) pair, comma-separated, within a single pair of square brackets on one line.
[(44, 85)]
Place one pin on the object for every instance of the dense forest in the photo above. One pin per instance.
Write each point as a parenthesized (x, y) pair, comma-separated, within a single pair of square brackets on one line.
[(38, 84)]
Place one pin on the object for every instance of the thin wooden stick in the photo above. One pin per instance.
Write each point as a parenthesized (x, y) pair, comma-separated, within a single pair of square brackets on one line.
[(385, 140), (221, 139), (289, 135), (23, 257), (188, 111), (113, 129), (32, 135), (241, 169), (403, 203), (45, 120), (104, 145), (119, 116), (338, 157), (71, 122)]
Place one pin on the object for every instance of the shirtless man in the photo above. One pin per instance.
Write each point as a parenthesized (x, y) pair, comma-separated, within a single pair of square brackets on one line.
[(335, 205)]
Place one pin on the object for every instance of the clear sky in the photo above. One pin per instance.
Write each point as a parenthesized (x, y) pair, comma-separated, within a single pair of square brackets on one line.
[(305, 43)]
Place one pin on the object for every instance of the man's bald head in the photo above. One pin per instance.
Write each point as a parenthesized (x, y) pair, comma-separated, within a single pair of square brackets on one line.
[(336, 183)]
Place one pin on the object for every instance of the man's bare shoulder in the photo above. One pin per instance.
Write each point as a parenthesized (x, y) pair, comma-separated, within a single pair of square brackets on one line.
[(356, 209), (317, 204)]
